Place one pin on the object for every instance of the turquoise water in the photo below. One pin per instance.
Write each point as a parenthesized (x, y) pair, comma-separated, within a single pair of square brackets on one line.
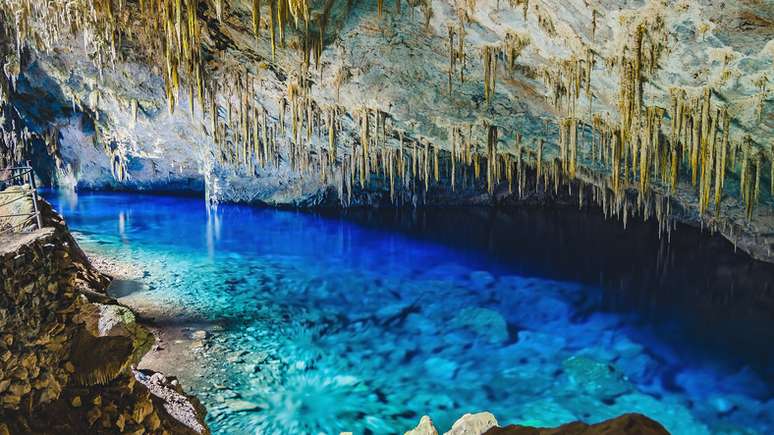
[(366, 322)]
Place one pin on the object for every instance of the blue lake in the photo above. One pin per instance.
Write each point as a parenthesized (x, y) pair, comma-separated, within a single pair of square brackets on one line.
[(365, 321)]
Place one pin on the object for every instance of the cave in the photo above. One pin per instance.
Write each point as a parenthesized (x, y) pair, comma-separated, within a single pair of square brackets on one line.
[(359, 217)]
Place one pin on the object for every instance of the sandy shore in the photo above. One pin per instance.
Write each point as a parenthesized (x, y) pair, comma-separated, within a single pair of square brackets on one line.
[(115, 269), (176, 334)]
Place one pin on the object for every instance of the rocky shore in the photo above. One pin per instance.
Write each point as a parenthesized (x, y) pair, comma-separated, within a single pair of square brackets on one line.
[(68, 351)]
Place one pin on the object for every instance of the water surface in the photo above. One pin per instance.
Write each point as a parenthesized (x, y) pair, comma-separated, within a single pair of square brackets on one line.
[(367, 321)]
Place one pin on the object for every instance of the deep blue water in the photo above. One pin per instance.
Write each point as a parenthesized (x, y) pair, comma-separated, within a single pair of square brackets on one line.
[(367, 321)]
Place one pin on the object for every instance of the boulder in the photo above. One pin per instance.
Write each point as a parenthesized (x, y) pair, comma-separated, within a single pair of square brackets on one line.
[(473, 424), (425, 427), (484, 322), (628, 424), (598, 379), (109, 344)]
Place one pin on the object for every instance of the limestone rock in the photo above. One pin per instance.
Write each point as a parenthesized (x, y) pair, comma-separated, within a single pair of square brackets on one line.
[(120, 134), (168, 396), (425, 427), (596, 378), (473, 424), (112, 341)]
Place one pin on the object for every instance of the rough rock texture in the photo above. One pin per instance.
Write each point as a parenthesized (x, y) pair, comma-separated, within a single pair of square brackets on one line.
[(629, 424), (35, 342), (473, 424), (425, 427), (415, 70), (485, 423), (66, 349)]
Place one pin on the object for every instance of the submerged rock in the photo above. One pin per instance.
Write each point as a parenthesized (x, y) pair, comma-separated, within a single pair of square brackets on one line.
[(484, 322), (596, 378), (239, 405), (441, 367)]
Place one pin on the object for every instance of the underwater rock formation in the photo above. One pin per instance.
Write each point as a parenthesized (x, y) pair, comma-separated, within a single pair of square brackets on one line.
[(67, 349), (485, 423)]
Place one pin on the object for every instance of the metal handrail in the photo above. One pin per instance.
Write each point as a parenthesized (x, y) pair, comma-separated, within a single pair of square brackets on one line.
[(19, 173)]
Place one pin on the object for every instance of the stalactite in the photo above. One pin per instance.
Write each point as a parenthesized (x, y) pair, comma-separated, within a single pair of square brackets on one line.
[(539, 161), (771, 175), (452, 58), (392, 176), (490, 73), (219, 9), (436, 172), (256, 16), (757, 189), (332, 133), (720, 166), (632, 145), (272, 27), (491, 157), (134, 105), (512, 47), (453, 137)]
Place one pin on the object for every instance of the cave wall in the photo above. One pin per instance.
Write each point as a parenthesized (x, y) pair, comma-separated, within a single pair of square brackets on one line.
[(36, 337), (415, 75)]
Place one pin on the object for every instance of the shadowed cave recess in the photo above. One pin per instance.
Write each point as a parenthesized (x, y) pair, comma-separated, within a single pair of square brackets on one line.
[(342, 215)]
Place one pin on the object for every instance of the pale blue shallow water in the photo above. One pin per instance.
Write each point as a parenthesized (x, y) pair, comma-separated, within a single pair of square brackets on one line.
[(323, 325)]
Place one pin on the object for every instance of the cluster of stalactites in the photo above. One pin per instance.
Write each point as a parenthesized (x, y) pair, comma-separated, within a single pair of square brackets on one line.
[(169, 27), (700, 131), (182, 48), (456, 54), (567, 80), (244, 136), (15, 145), (636, 149), (510, 49), (249, 138), (697, 146), (299, 15), (306, 136), (17, 140)]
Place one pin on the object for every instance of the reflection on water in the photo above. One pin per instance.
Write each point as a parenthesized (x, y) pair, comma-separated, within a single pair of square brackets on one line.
[(723, 297), (365, 321)]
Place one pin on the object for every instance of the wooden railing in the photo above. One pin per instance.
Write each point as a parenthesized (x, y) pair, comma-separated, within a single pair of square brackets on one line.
[(19, 176)]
